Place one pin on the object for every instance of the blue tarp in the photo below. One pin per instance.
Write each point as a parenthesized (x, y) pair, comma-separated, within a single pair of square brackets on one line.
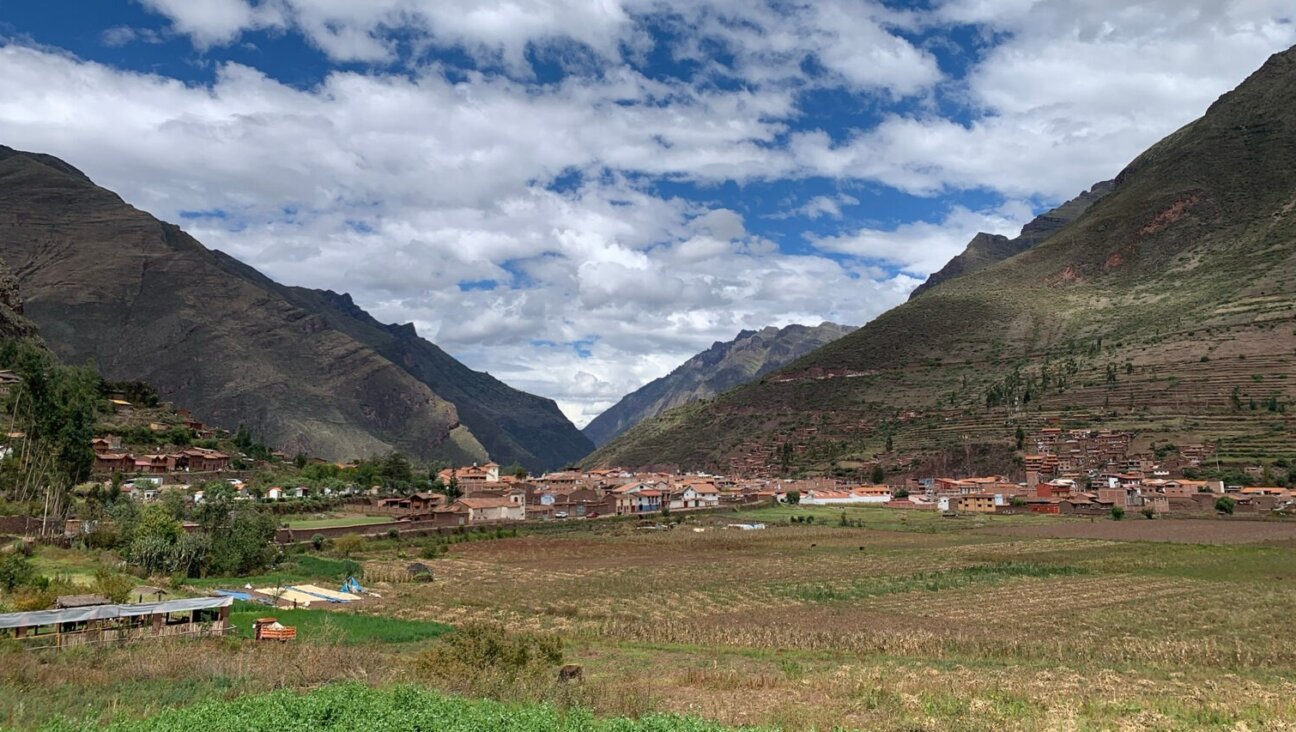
[(244, 596)]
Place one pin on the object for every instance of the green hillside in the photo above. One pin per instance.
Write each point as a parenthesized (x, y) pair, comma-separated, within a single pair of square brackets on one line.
[(1167, 308)]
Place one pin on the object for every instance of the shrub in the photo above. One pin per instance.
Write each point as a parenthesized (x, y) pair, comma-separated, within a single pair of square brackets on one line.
[(393, 534), (1117, 513), (115, 587), (348, 544), (16, 571), (486, 654), (1148, 513), (318, 542), (1225, 505)]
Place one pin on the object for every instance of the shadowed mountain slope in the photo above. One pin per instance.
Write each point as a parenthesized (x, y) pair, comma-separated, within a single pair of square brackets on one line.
[(306, 370)]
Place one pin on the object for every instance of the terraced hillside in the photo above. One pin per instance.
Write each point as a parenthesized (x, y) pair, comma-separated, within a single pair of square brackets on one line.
[(1167, 307)]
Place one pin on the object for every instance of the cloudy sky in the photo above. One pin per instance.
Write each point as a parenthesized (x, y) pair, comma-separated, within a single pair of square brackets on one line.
[(578, 195)]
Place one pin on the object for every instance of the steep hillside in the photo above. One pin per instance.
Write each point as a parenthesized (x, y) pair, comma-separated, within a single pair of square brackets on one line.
[(1167, 308), (987, 249), (717, 369), (109, 284), (12, 322)]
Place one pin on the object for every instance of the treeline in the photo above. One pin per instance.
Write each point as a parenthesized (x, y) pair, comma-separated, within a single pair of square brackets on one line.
[(54, 407), (230, 537)]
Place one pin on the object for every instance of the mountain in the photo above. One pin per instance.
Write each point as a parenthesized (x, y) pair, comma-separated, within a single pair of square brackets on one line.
[(719, 368), (1166, 308), (303, 369), (987, 249)]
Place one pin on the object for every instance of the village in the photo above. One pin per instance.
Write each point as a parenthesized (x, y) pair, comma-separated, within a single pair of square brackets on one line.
[(1076, 471)]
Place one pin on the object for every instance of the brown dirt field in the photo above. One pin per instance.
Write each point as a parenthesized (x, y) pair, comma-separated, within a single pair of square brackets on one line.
[(1177, 531)]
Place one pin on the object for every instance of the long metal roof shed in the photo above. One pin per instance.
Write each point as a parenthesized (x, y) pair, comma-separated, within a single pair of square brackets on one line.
[(108, 612)]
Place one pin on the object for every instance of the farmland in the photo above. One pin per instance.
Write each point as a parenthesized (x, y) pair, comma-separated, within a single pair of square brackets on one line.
[(896, 620)]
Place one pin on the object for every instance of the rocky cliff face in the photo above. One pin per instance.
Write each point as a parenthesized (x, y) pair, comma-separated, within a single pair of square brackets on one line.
[(143, 300), (987, 249), (717, 369)]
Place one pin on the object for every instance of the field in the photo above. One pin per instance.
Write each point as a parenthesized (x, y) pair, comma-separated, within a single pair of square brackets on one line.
[(899, 620), (330, 522)]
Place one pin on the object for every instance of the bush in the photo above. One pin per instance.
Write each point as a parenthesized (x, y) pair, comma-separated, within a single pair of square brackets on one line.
[(115, 587), (1148, 513), (1225, 505), (487, 652), (1117, 513), (16, 571), (318, 542), (348, 544)]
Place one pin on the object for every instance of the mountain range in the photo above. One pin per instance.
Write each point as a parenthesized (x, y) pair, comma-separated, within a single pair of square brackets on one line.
[(305, 370), (719, 368), (1166, 307)]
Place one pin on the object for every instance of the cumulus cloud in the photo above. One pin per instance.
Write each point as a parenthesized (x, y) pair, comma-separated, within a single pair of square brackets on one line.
[(429, 192), (922, 247)]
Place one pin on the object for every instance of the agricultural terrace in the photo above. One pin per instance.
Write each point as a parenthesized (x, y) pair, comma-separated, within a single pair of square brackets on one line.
[(862, 619)]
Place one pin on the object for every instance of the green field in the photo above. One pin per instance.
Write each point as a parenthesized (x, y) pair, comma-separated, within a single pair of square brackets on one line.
[(354, 707), (340, 626), (335, 522)]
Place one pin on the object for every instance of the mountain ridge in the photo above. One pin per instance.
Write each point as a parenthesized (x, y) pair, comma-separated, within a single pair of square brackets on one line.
[(1164, 309), (724, 365), (988, 249), (143, 300)]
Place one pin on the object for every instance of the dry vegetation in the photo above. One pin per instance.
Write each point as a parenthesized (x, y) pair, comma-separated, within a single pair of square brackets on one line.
[(921, 624)]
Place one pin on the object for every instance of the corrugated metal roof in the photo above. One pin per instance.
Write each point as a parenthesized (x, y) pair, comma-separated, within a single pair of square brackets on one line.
[(108, 612)]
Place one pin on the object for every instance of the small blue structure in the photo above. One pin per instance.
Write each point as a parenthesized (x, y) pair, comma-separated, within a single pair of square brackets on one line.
[(351, 586)]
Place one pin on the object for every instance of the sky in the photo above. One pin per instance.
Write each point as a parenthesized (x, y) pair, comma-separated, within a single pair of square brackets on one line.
[(579, 195)]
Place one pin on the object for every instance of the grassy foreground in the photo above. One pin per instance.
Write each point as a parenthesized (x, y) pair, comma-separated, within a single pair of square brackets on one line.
[(356, 707)]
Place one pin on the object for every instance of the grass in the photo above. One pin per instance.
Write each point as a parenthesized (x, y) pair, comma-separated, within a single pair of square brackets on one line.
[(338, 625), (296, 569), (352, 706), (336, 521), (927, 623)]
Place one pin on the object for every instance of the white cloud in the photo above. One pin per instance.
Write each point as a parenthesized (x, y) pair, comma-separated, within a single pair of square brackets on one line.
[(213, 22), (922, 247), (399, 186), (1076, 92)]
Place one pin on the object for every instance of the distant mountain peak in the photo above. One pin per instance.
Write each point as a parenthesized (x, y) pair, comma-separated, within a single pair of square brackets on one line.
[(726, 364)]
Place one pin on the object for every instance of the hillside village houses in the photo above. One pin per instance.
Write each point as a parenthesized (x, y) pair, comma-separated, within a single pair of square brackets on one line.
[(1066, 472)]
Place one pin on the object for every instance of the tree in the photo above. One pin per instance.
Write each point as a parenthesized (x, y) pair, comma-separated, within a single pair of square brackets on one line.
[(516, 470), (1225, 505), (300, 460), (396, 471), (1148, 513), (890, 445), (902, 493), (348, 544), (1117, 513), (452, 490), (1021, 437), (878, 475), (793, 497)]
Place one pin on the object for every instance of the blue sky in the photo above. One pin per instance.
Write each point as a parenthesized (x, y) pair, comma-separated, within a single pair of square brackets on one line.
[(577, 195)]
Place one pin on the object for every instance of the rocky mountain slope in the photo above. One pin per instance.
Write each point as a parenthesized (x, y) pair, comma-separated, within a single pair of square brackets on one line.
[(717, 369), (1167, 308), (305, 370), (987, 249)]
